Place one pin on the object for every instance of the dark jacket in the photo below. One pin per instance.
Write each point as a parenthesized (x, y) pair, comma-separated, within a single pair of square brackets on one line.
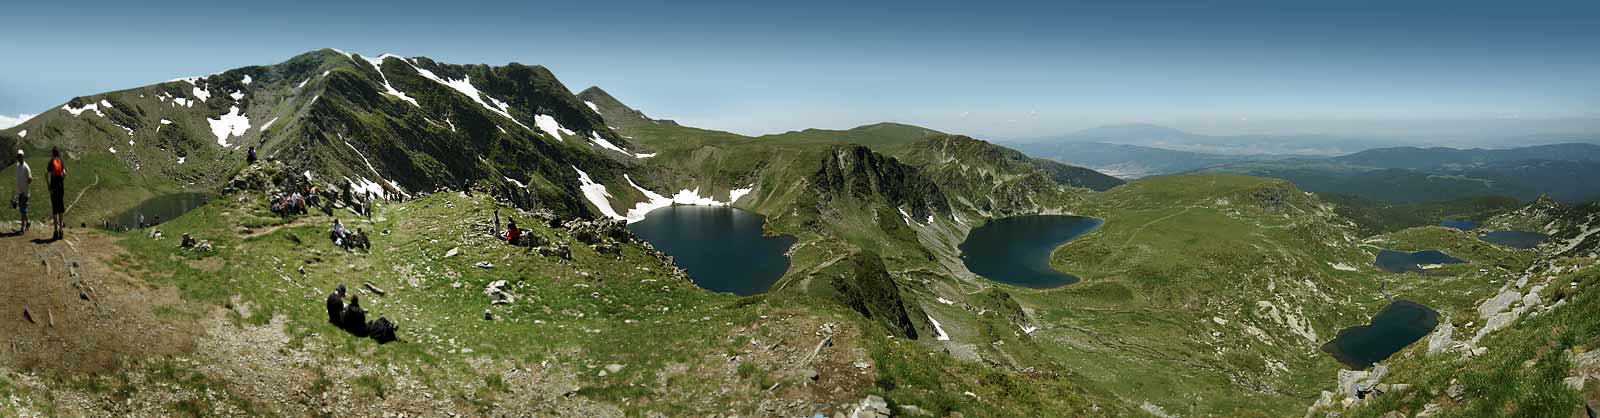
[(335, 308), (355, 319)]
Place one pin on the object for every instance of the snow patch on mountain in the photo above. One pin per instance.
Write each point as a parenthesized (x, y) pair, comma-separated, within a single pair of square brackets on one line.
[(374, 171), (229, 125), (236, 96), (735, 194), (465, 87), (377, 64), (938, 330), (302, 84), (22, 134), (597, 195), (75, 111), (246, 80), (1343, 267), (551, 126), (684, 197), (518, 183), (644, 156), (596, 109), (598, 140), (268, 124), (203, 95), (362, 185)]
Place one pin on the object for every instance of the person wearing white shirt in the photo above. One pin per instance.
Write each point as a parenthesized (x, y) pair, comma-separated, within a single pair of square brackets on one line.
[(24, 179)]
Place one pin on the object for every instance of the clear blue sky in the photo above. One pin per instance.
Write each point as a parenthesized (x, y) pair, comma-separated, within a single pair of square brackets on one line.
[(990, 67)]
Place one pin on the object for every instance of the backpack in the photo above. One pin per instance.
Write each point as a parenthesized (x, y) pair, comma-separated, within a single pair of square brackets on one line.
[(382, 330)]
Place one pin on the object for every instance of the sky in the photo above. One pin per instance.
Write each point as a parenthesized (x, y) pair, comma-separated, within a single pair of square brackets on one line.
[(993, 68)]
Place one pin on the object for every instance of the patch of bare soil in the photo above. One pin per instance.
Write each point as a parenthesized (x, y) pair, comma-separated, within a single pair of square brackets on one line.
[(67, 312)]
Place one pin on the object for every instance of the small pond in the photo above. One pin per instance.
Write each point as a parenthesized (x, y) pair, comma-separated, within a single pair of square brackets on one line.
[(1016, 250), (723, 249), (1461, 224), (1398, 325), (1400, 261), (157, 210), (1521, 240)]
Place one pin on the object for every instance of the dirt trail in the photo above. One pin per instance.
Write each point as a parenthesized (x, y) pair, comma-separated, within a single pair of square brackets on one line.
[(56, 321)]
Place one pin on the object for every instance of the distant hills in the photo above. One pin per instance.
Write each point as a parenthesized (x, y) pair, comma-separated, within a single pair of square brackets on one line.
[(1139, 150), (1411, 175), (1376, 171)]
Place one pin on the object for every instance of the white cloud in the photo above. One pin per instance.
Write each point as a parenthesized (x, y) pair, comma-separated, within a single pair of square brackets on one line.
[(10, 121)]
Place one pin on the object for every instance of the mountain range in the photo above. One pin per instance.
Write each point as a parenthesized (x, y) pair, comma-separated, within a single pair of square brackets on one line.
[(1203, 293)]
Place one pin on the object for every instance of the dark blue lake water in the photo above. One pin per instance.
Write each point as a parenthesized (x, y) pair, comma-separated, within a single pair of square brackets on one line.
[(1461, 224), (157, 210), (1515, 239), (1396, 326), (1400, 261), (722, 248), (1016, 250)]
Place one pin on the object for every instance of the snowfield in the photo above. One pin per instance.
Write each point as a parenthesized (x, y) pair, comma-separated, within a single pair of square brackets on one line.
[(229, 125), (551, 126)]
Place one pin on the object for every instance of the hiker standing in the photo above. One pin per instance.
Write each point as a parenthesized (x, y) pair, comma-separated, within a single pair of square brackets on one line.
[(58, 191), (24, 179), (252, 158)]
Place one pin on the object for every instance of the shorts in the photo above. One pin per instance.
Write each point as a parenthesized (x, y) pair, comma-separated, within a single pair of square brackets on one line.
[(22, 204), (57, 197)]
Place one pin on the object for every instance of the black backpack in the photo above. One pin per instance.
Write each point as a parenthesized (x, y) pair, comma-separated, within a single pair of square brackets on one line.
[(382, 330)]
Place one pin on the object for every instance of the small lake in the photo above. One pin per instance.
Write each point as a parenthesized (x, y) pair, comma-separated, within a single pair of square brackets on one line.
[(1398, 325), (1400, 261), (722, 248), (157, 210), (1016, 250), (1461, 224), (1521, 240)]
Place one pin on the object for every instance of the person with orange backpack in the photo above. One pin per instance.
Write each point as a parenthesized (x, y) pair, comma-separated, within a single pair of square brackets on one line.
[(58, 191)]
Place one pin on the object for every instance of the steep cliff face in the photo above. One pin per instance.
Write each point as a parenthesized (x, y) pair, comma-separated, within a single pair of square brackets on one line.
[(855, 173), (862, 283), (996, 181)]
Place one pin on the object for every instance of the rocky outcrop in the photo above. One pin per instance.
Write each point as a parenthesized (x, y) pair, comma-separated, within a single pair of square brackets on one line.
[(856, 174), (863, 283)]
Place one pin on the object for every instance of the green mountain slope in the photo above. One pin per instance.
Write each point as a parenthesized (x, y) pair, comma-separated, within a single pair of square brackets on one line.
[(1527, 350), (875, 135), (389, 125)]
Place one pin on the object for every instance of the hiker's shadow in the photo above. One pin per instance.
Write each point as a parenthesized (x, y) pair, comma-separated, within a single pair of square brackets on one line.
[(11, 234), (42, 241)]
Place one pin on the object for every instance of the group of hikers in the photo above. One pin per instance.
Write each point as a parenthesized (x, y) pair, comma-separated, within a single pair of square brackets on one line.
[(343, 238), (353, 319), (57, 185)]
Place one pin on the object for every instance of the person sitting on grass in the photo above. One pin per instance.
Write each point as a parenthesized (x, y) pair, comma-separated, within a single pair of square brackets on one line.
[(359, 240), (339, 235), (354, 319), (513, 233), (336, 305)]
